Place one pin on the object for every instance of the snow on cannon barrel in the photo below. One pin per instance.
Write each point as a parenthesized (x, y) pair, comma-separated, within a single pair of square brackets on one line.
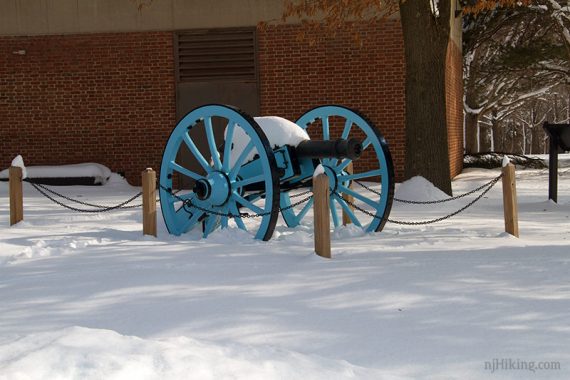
[(223, 168)]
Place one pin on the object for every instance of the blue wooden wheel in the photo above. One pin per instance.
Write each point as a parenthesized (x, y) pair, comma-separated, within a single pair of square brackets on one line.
[(377, 175), (222, 177)]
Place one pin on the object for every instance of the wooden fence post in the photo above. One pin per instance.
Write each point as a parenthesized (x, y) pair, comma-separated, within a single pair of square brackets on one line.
[(510, 200), (16, 195), (322, 216), (349, 198), (149, 202)]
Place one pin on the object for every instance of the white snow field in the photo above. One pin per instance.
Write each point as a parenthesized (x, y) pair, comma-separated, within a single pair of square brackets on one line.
[(86, 296)]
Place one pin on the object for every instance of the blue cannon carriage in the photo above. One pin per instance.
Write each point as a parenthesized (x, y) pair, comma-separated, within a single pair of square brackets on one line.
[(229, 172)]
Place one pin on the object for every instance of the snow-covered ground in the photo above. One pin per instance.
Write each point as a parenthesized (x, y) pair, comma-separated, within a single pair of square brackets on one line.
[(87, 297)]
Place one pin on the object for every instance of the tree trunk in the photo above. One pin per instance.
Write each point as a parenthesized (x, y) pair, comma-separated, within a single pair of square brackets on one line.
[(485, 138), (425, 43), (536, 135), (519, 139), (498, 136), (471, 133)]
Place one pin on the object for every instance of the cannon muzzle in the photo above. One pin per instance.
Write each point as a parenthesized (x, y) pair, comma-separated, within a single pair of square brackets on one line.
[(340, 148)]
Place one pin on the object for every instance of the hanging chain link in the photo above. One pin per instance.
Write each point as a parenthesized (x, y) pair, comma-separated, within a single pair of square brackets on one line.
[(432, 202), (489, 186), (99, 208)]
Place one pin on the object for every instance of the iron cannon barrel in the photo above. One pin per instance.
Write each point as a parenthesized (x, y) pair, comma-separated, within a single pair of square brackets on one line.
[(341, 148)]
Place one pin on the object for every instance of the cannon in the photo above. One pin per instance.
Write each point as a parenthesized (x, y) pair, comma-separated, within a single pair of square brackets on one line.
[(231, 169)]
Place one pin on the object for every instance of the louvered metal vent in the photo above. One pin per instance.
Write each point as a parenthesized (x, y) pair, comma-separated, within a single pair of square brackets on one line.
[(216, 54)]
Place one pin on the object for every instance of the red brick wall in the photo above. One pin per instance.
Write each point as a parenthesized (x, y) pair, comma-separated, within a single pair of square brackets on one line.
[(296, 77), (110, 98), (454, 100), (106, 98)]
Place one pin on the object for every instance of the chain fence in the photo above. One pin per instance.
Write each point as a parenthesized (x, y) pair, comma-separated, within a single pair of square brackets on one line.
[(487, 186), (187, 203), (51, 195)]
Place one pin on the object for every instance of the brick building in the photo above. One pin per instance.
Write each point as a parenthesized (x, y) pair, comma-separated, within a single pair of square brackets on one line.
[(101, 81)]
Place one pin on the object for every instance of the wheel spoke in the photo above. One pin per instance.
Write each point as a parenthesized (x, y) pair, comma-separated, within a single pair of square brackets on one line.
[(305, 209), (347, 128), (210, 225), (183, 170), (235, 210), (248, 181), (349, 177), (237, 165), (346, 208), (191, 221), (333, 212), (212, 143), (244, 202), (228, 145), (326, 128), (343, 165), (346, 190), (253, 197), (224, 219), (196, 152)]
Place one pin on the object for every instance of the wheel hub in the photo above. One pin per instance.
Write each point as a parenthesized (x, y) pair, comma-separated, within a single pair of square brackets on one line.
[(202, 188), (215, 188)]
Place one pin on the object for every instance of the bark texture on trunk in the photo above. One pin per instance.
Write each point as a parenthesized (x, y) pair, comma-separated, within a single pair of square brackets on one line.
[(425, 43)]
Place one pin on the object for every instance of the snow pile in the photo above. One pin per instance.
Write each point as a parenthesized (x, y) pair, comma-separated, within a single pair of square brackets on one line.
[(419, 189), (82, 353), (18, 162), (279, 132), (320, 169), (99, 172)]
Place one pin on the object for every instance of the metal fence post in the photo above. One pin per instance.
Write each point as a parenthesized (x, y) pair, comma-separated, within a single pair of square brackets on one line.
[(553, 168)]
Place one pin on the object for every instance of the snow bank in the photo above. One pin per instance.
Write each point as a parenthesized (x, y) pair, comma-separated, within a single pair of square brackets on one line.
[(100, 172), (279, 132), (419, 189), (82, 353), (563, 159)]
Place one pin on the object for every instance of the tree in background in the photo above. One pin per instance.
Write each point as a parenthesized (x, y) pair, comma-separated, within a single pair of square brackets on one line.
[(515, 60), (426, 29)]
